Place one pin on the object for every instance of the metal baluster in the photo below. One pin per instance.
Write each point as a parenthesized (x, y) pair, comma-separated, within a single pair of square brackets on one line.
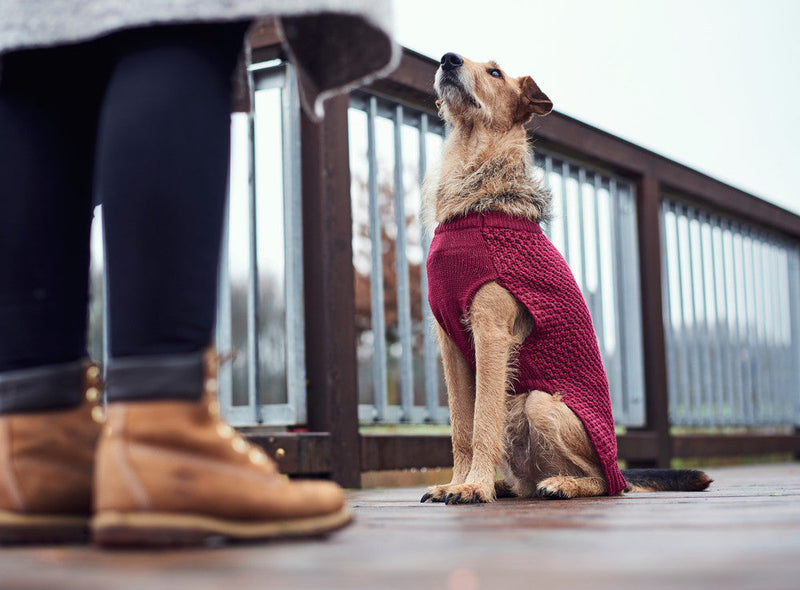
[(619, 391), (765, 401), (737, 368), (223, 329), (686, 340), (771, 292), (704, 411), (253, 316), (598, 315), (785, 384), (679, 401), (376, 278), (403, 288), (565, 209), (793, 305), (745, 332), (632, 341), (293, 240), (668, 270), (734, 309), (771, 353), (106, 344), (589, 297), (722, 331), (712, 330), (430, 347), (753, 317), (752, 324), (548, 171)]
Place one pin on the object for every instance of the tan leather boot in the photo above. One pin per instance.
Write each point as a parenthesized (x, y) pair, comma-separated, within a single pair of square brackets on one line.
[(47, 459), (174, 473)]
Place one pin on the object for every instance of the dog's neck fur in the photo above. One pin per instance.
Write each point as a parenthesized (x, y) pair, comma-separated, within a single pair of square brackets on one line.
[(485, 169)]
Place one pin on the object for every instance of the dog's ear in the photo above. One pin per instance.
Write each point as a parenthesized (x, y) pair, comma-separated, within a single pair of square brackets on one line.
[(532, 100)]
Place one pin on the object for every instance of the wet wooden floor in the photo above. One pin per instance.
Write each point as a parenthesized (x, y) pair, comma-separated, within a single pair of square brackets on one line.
[(743, 533)]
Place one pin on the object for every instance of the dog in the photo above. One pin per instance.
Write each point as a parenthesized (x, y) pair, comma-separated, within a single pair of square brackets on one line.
[(526, 387)]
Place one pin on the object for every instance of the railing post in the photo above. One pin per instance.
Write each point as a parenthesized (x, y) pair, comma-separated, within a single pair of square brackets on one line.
[(329, 289), (794, 302), (655, 358)]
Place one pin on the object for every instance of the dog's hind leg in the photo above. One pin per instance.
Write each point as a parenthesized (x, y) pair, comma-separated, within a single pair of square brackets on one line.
[(567, 464), (461, 398), (565, 487), (503, 489)]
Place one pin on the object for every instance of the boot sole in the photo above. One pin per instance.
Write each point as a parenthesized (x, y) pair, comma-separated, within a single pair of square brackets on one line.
[(119, 529), (23, 529)]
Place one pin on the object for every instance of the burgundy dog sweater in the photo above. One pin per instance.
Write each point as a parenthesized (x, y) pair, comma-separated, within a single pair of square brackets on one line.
[(561, 354)]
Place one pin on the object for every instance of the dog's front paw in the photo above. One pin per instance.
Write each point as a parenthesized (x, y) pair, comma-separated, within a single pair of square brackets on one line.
[(435, 494), (557, 488), (464, 493)]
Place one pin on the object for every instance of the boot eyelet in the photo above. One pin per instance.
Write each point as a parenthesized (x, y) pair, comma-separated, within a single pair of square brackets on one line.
[(257, 457), (225, 430), (92, 394), (98, 414), (93, 374), (240, 445), (211, 385)]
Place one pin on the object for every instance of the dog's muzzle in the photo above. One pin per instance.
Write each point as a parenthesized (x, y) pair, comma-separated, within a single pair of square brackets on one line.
[(451, 61), (449, 82), (448, 77)]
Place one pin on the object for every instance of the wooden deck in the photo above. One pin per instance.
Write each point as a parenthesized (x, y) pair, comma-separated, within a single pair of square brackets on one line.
[(742, 533)]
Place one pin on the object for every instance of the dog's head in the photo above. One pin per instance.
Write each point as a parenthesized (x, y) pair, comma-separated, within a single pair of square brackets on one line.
[(468, 91)]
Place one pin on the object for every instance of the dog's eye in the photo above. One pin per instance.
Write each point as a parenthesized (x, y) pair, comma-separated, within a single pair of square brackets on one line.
[(495, 72)]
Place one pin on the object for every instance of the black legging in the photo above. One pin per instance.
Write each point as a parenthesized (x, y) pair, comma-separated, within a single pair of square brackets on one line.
[(141, 118)]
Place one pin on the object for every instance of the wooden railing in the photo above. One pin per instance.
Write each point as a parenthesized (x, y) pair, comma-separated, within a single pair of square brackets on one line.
[(333, 444)]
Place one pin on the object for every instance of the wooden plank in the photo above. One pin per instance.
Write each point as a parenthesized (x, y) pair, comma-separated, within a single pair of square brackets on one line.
[(720, 445), (310, 453), (390, 451), (638, 447), (263, 34), (329, 288), (297, 453), (386, 451), (741, 534)]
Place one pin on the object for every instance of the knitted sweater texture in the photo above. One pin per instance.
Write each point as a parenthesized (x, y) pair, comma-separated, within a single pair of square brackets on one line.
[(561, 354)]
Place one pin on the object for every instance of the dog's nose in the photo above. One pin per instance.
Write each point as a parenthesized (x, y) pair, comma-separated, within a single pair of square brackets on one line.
[(451, 61)]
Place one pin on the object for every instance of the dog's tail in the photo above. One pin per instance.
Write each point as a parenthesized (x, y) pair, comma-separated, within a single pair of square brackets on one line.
[(665, 480)]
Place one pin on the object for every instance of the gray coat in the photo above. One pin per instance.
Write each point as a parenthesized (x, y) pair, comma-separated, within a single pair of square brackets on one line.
[(347, 43)]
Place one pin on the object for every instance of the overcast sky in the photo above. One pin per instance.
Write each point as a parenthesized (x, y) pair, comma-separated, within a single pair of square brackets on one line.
[(714, 84)]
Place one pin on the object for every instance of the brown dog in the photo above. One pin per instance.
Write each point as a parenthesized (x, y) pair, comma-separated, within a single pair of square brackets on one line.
[(539, 442)]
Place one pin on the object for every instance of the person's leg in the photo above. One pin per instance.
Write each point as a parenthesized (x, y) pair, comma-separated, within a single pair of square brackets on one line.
[(163, 170), (169, 469), (48, 112), (163, 159), (48, 115)]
